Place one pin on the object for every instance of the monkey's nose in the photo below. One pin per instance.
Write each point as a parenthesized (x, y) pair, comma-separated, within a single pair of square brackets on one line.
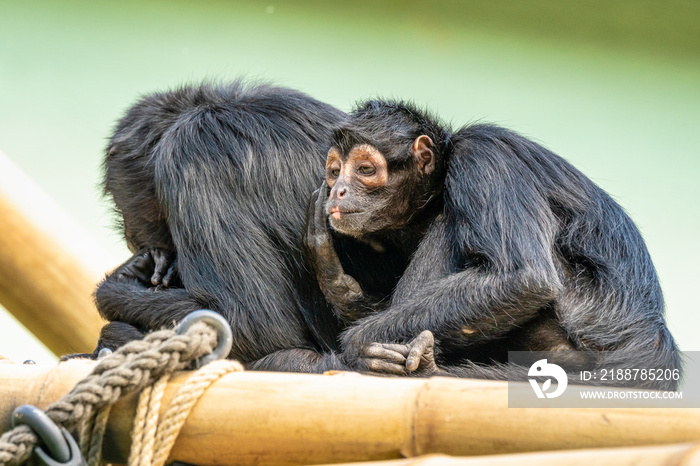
[(341, 192)]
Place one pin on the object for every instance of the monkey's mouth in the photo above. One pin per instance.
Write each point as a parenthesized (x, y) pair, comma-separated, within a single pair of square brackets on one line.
[(337, 213)]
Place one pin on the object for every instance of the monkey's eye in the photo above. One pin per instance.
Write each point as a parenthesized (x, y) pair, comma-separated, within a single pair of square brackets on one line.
[(365, 170), (334, 172)]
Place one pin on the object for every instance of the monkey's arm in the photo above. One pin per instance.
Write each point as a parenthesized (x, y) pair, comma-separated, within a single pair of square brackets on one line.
[(467, 305), (345, 294)]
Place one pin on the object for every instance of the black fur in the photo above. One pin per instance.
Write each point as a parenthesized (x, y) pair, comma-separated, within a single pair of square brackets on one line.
[(520, 241), (218, 176)]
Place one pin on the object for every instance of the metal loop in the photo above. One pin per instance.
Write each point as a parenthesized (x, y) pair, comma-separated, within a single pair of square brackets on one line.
[(45, 428), (223, 330), (103, 353), (76, 458)]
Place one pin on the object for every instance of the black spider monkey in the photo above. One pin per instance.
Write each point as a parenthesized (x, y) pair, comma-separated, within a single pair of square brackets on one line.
[(506, 247)]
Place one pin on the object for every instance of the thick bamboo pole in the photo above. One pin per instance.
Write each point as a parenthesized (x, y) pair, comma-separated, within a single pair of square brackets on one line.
[(269, 418), (48, 266), (685, 454)]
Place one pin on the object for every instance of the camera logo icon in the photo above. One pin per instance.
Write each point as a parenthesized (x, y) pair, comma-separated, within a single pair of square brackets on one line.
[(542, 368)]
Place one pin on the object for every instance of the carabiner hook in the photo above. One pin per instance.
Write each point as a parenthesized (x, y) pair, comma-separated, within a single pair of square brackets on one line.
[(63, 449), (223, 330)]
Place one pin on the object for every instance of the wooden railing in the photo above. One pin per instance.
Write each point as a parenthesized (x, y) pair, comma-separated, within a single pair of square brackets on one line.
[(49, 267)]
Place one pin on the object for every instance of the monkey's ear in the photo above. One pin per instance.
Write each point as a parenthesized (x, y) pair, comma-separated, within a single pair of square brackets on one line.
[(423, 152)]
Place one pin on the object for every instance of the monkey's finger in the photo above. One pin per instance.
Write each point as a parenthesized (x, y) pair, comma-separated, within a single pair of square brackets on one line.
[(413, 359), (401, 349), (421, 344), (313, 200), (132, 272), (351, 285), (162, 263), (141, 265), (125, 273), (320, 213), (311, 206), (138, 268), (376, 351), (379, 365), (170, 276), (156, 279)]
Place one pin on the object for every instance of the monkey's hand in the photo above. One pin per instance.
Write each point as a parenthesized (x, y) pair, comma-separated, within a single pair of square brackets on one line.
[(339, 288), (151, 267), (165, 272), (417, 357)]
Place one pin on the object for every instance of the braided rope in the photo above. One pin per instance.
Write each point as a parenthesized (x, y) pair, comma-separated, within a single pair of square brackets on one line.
[(92, 431), (129, 369)]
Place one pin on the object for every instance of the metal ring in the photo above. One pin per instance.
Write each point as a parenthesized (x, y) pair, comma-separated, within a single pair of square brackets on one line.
[(103, 353), (76, 458), (45, 428), (222, 327)]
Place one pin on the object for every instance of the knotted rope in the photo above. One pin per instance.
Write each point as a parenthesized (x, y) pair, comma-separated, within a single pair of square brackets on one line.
[(131, 368)]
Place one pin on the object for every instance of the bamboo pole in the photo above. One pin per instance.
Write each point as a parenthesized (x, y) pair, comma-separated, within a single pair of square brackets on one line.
[(685, 454), (48, 266), (280, 419)]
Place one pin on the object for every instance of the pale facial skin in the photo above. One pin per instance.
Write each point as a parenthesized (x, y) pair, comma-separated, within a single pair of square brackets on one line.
[(365, 197)]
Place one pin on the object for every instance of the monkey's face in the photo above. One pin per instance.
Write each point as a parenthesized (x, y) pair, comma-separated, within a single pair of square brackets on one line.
[(367, 195)]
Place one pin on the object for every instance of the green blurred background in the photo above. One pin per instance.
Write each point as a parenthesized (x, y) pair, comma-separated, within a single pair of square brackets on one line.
[(614, 87)]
